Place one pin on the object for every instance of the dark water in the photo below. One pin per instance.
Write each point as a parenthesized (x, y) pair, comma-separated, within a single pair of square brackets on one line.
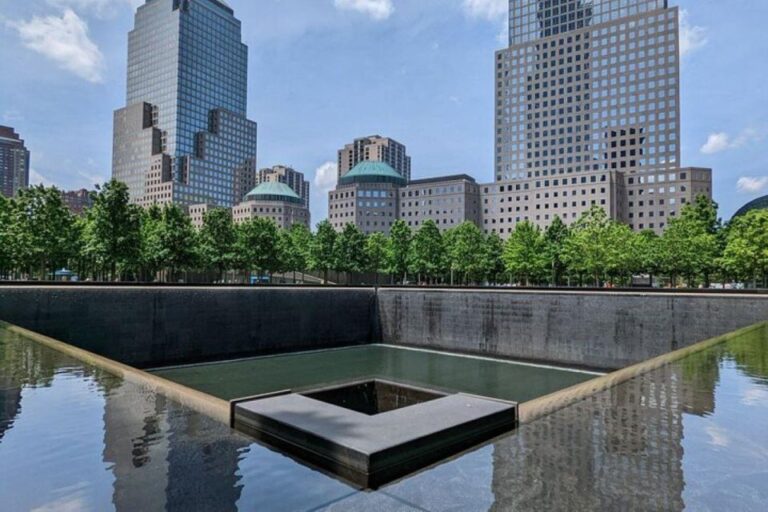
[(692, 435), (487, 377)]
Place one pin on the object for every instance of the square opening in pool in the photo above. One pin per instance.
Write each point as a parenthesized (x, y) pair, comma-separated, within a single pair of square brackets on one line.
[(374, 396)]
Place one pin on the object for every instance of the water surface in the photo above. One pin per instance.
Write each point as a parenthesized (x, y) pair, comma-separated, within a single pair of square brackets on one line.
[(691, 435), (481, 376)]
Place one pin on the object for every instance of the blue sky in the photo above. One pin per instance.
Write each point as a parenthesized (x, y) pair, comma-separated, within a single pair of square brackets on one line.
[(323, 72)]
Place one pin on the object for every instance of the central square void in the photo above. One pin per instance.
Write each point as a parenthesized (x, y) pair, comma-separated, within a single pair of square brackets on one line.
[(374, 396)]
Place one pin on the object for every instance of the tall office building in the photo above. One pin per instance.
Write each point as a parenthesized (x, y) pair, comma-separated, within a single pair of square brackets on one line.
[(588, 113), (14, 162), (184, 137), (377, 149)]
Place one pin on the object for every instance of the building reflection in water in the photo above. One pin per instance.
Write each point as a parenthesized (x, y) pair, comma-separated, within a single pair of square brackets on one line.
[(164, 458), (620, 449)]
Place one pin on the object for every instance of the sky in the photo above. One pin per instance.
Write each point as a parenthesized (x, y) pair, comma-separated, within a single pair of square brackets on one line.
[(323, 72)]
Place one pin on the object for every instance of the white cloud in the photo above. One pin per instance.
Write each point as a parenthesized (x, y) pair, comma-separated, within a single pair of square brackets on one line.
[(376, 9), (326, 176), (65, 41), (100, 8), (748, 185), (717, 436), (721, 141), (692, 37), (491, 10), (35, 178), (755, 395)]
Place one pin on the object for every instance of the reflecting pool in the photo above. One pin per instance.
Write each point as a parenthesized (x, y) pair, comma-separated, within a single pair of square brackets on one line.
[(437, 370), (691, 435)]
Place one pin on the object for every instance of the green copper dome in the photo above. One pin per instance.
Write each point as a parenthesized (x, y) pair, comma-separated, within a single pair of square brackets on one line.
[(372, 172), (760, 203), (273, 191)]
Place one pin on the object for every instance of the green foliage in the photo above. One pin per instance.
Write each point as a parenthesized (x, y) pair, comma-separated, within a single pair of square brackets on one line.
[(426, 252), (349, 250), (257, 245), (746, 250), (555, 237), (463, 243), (589, 249), (376, 253), (525, 254), (321, 250), (689, 248), (217, 240), (398, 247), (493, 268), (113, 230)]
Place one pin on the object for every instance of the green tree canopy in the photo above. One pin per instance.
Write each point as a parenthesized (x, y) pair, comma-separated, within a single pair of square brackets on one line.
[(257, 245), (112, 232), (218, 239), (426, 252), (321, 250), (555, 236), (588, 251), (746, 251), (398, 246), (493, 268), (376, 253), (463, 243), (349, 250), (525, 254)]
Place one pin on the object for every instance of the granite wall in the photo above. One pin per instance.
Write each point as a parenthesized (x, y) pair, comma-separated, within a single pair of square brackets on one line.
[(604, 330), (152, 326), (148, 326)]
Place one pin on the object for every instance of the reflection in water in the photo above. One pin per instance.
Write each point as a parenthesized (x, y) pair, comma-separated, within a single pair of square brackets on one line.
[(689, 435)]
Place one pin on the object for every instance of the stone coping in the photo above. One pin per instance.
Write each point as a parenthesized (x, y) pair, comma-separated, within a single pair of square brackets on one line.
[(198, 401), (370, 451)]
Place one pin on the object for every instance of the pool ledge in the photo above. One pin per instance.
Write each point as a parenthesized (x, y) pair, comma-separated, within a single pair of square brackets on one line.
[(198, 401), (545, 405)]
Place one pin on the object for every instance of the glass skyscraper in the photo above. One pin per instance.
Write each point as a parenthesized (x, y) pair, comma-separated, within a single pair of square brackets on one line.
[(14, 162), (183, 136), (588, 113)]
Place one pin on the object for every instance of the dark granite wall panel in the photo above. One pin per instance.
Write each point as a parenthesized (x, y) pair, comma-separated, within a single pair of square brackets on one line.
[(153, 326), (591, 329)]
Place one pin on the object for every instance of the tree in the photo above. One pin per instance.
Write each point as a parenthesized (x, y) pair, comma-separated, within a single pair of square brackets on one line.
[(349, 250), (463, 243), (300, 241), (746, 250), (321, 250), (376, 254), (45, 232), (689, 248), (177, 240), (493, 268), (6, 236), (588, 249), (398, 246), (217, 240), (151, 258), (426, 252), (525, 253), (112, 232), (648, 253), (555, 237), (256, 245)]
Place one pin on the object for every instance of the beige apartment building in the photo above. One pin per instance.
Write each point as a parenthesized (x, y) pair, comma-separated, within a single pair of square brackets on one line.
[(447, 200), (287, 175), (378, 149), (270, 200)]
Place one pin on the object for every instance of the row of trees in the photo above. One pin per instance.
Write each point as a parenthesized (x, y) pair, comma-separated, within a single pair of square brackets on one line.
[(115, 240)]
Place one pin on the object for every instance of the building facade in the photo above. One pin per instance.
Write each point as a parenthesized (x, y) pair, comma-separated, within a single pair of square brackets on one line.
[(588, 113), (269, 200), (373, 196), (14, 162), (288, 176), (447, 200), (378, 149), (78, 201), (183, 136)]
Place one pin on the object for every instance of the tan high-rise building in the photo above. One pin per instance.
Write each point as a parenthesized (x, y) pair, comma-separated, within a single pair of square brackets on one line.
[(588, 113), (378, 149), (288, 176)]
